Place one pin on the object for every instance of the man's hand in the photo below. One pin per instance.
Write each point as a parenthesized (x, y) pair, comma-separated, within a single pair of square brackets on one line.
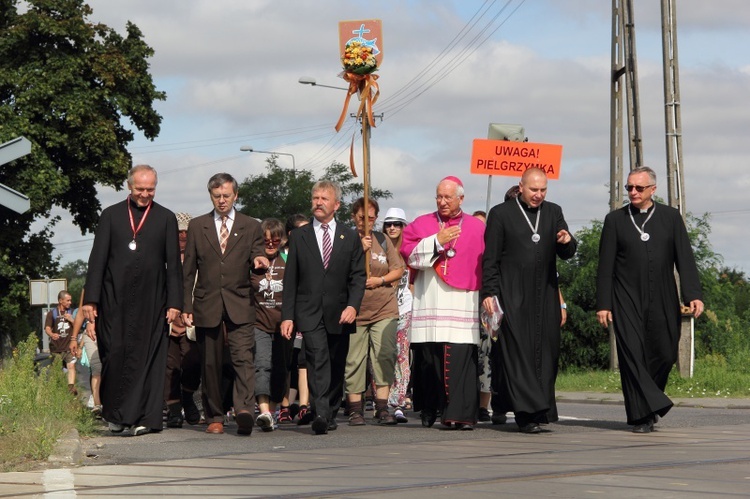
[(448, 234), (348, 315), (488, 305), (604, 317), (564, 319), (172, 314), (287, 329), (261, 262), (563, 237), (89, 312), (91, 331), (73, 347), (187, 319), (696, 308)]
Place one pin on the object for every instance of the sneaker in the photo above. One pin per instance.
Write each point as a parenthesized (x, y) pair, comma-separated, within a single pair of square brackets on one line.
[(399, 415), (139, 430), (285, 417), (484, 415), (265, 422), (305, 416), (192, 413), (116, 428)]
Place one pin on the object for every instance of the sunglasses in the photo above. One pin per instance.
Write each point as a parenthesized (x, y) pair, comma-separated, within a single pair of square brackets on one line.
[(392, 224), (273, 242), (639, 188)]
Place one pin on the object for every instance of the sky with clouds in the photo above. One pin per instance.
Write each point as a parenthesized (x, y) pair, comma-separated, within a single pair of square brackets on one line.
[(231, 70)]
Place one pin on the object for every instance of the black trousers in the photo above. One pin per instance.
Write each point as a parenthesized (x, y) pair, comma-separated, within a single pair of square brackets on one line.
[(325, 356)]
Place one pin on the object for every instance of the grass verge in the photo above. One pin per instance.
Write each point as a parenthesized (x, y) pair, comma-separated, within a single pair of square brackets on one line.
[(712, 378), (35, 409)]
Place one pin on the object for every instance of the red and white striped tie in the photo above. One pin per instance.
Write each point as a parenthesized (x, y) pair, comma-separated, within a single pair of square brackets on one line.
[(327, 245)]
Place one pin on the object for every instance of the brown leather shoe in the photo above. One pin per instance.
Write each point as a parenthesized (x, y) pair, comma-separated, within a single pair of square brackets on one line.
[(215, 428)]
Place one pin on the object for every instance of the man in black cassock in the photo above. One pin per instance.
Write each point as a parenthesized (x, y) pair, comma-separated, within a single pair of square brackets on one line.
[(641, 245), (524, 237), (133, 291)]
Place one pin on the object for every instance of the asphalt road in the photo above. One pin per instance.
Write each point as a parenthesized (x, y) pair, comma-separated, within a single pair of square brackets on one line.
[(193, 442), (701, 449)]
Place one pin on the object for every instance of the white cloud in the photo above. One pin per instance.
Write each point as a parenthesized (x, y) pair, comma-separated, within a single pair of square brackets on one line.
[(231, 70)]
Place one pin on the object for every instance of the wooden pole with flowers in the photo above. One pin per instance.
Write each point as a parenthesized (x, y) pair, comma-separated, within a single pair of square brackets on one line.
[(361, 54)]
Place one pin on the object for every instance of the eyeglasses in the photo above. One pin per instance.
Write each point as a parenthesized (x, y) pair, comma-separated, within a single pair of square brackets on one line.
[(361, 218), (273, 242), (639, 188), (392, 224), (447, 199)]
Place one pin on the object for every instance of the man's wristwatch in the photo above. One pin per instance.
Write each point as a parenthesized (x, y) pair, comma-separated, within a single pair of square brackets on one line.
[(563, 306)]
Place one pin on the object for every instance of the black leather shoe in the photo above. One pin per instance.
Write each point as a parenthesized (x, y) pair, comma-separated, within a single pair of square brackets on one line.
[(428, 417), (320, 425), (332, 424), (643, 428), (530, 428)]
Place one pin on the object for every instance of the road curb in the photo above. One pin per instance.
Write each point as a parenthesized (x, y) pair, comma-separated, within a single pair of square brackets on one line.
[(68, 450)]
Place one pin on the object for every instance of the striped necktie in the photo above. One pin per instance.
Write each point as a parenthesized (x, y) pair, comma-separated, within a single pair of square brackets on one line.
[(223, 234), (327, 245)]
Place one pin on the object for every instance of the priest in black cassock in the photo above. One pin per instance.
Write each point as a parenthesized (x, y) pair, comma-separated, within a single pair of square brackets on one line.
[(641, 245), (133, 291), (524, 237)]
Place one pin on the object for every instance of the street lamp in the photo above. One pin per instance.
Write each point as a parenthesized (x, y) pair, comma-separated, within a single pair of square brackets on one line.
[(307, 80), (250, 149)]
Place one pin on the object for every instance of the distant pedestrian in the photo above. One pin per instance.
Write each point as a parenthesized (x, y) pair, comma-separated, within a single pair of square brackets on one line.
[(58, 324)]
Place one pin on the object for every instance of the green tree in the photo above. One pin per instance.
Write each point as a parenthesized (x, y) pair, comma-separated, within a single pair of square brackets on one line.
[(584, 343), (278, 193), (281, 192), (66, 84), (75, 273), (350, 190)]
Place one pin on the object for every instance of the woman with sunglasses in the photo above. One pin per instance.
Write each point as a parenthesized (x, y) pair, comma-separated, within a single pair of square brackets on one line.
[(393, 226)]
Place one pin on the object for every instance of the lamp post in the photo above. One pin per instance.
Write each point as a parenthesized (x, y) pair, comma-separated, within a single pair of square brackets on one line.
[(250, 149), (308, 80)]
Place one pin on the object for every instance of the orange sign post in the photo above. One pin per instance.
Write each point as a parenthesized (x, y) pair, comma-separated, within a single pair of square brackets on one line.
[(511, 159)]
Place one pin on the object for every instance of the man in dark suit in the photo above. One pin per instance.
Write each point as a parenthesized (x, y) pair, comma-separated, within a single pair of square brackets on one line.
[(222, 247), (323, 288)]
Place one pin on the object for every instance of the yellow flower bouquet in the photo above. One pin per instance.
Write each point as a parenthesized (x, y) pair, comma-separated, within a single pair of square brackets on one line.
[(359, 58)]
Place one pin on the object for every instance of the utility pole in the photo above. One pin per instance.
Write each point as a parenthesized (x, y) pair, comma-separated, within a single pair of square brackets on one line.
[(672, 114), (624, 63)]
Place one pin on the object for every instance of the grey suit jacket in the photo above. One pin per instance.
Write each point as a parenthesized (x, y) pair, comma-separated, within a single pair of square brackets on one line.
[(223, 281)]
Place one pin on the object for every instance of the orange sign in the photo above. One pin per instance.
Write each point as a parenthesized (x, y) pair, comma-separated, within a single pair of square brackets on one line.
[(369, 32), (511, 159)]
